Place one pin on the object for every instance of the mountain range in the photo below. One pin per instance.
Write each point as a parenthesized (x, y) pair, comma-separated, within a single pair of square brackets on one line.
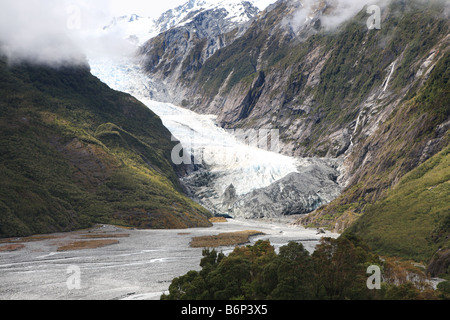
[(230, 13)]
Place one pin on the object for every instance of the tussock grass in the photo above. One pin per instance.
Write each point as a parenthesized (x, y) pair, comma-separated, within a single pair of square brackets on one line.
[(89, 244), (97, 236), (39, 237), (224, 239), (11, 247), (218, 219)]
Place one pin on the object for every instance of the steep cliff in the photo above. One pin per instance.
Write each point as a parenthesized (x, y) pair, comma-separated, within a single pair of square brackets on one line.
[(324, 89), (186, 41)]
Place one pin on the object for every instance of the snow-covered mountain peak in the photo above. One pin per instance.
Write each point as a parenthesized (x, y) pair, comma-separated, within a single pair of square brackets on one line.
[(133, 27), (238, 11), (139, 29)]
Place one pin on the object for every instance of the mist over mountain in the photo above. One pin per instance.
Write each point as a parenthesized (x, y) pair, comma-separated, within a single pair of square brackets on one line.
[(37, 33), (64, 32)]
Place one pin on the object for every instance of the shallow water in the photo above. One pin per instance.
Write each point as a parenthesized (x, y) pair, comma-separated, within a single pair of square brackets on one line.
[(139, 267)]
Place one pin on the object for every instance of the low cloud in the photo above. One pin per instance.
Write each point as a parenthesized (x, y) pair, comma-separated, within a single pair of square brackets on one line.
[(36, 31), (344, 10), (340, 11), (56, 32)]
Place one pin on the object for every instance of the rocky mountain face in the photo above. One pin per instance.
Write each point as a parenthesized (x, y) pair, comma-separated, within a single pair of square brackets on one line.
[(320, 88), (236, 11), (296, 194), (311, 186), (375, 98), (190, 35)]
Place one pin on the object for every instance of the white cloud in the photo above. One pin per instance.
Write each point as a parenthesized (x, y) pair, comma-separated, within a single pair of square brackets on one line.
[(36, 30), (56, 32), (342, 10), (63, 31), (347, 9), (149, 8)]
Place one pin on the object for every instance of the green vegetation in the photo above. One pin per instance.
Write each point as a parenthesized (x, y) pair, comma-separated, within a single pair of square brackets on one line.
[(397, 206), (413, 219), (238, 61), (224, 239), (402, 218), (337, 270), (74, 152)]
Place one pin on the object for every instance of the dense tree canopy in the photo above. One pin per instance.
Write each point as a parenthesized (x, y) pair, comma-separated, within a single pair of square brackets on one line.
[(336, 270)]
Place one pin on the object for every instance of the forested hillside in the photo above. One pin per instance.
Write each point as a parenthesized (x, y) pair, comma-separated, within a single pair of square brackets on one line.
[(74, 152)]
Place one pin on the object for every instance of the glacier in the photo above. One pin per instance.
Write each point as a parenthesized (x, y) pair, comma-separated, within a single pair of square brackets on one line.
[(237, 163), (226, 173), (229, 165)]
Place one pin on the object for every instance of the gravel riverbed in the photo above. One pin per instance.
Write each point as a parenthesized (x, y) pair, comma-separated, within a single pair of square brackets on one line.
[(140, 266)]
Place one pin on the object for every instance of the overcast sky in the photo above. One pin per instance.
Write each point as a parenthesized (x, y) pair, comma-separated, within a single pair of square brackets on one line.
[(143, 7), (156, 7), (102, 11), (148, 8)]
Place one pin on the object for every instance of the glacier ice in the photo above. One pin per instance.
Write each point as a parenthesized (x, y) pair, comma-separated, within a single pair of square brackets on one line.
[(264, 183), (228, 158)]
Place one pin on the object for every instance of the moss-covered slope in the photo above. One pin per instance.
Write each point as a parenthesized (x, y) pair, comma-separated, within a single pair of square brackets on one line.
[(413, 220), (74, 152)]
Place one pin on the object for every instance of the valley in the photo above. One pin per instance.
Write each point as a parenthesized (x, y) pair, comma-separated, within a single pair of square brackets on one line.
[(138, 267), (128, 147), (275, 184)]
